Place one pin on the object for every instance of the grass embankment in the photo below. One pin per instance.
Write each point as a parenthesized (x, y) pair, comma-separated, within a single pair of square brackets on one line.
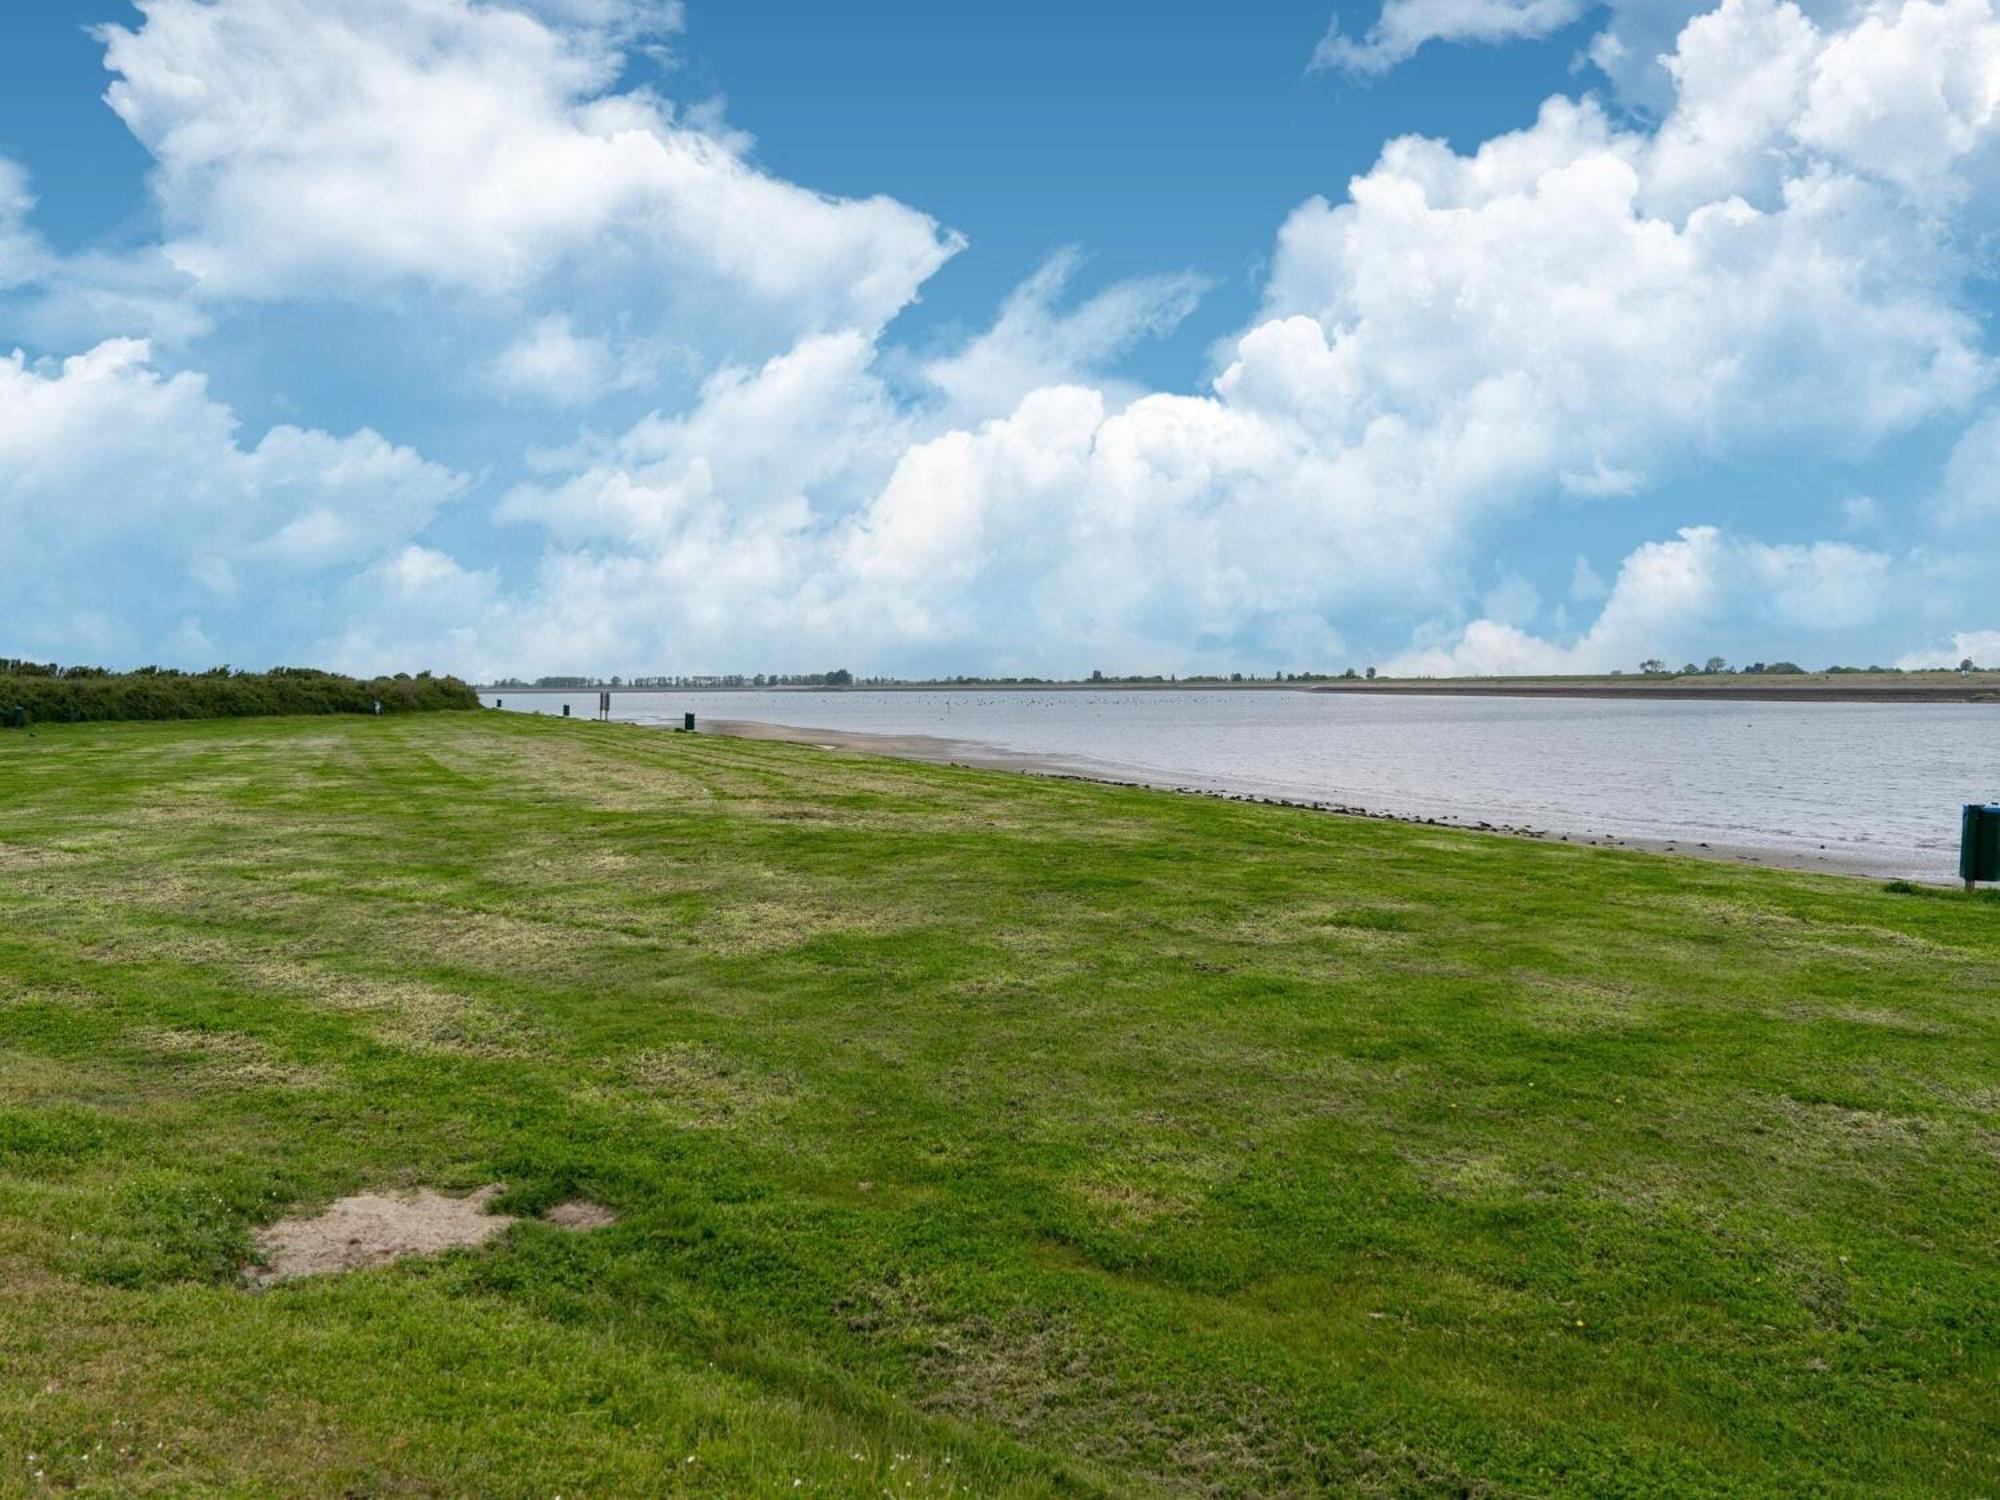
[(971, 1135), (88, 695)]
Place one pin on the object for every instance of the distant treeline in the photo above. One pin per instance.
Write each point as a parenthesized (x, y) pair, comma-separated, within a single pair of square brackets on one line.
[(48, 693), (840, 677), (1653, 667)]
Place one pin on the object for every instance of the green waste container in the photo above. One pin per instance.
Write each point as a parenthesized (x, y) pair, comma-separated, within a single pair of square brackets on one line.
[(1979, 847)]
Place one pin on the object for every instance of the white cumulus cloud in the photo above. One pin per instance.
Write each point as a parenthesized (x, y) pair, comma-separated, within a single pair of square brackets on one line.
[(1404, 26), (1980, 647), (309, 150), (1583, 313), (141, 508), (1036, 342), (1672, 597), (1563, 312), (554, 363), (1971, 488), (22, 254)]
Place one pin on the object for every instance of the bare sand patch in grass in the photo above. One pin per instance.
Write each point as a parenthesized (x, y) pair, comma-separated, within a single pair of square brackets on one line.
[(372, 1229)]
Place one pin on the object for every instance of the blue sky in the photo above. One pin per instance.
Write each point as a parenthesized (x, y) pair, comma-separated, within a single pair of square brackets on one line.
[(621, 335)]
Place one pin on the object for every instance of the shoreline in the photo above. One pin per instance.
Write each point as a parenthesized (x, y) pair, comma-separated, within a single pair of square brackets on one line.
[(937, 750), (1818, 690), (1829, 692)]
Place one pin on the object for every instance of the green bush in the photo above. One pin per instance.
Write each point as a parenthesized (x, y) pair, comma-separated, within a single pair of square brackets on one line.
[(75, 694)]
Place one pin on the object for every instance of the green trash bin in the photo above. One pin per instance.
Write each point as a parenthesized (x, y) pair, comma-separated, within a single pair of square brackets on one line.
[(1979, 844)]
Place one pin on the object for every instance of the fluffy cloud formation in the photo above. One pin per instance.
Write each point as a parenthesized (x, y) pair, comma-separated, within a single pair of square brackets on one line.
[(22, 256), (1671, 597), (1906, 96), (1034, 342), (715, 472), (1535, 260), (69, 300), (1910, 95), (1571, 309), (1980, 647), (1580, 313), (143, 512), (1459, 337), (1971, 489), (552, 362), (619, 21), (1404, 26), (482, 150)]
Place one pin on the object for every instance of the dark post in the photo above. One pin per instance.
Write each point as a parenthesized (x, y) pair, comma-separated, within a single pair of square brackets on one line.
[(565, 710), (1979, 844), (687, 724)]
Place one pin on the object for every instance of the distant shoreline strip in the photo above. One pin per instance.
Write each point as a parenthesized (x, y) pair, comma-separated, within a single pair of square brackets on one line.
[(1827, 692)]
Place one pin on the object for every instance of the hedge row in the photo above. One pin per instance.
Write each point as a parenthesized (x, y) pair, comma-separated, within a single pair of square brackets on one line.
[(77, 694)]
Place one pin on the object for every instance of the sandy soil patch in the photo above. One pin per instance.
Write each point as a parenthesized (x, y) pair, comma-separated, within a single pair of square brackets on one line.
[(372, 1229)]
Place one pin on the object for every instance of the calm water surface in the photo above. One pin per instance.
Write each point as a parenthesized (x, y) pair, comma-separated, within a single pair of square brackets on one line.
[(1860, 786)]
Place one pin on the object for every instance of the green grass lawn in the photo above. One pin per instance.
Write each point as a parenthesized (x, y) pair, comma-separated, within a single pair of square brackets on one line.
[(971, 1134)]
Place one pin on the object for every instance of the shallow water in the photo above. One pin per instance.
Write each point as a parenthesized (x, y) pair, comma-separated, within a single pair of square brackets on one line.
[(1869, 787)]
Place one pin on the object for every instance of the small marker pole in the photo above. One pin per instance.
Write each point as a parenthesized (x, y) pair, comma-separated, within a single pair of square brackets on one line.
[(1979, 844)]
